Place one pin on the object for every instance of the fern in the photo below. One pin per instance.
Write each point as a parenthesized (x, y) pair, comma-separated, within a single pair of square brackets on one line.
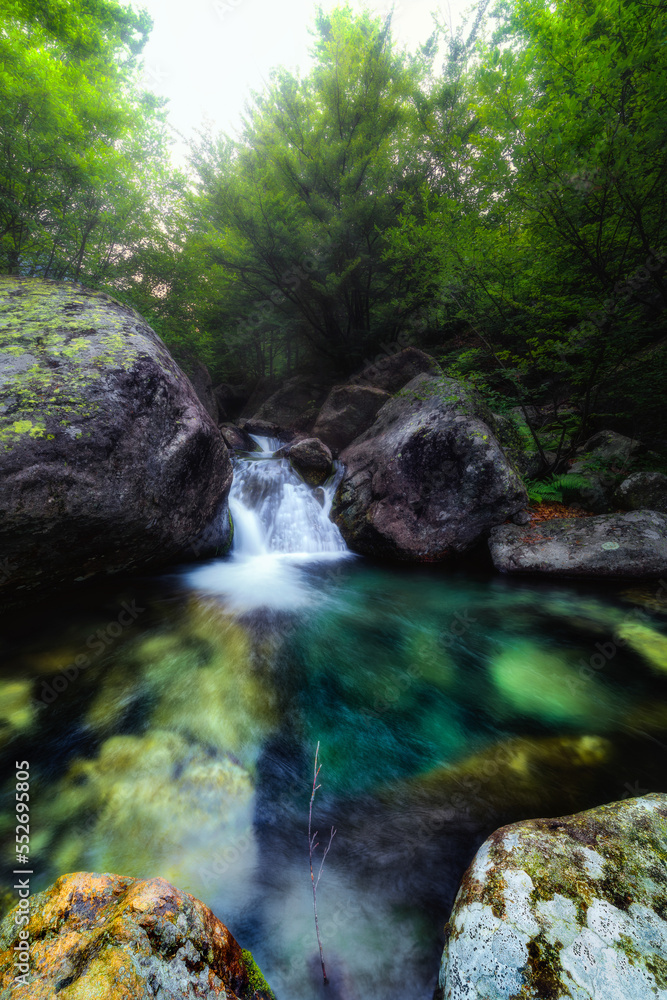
[(554, 489)]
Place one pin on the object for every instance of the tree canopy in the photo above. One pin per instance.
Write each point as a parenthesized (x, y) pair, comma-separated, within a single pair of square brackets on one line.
[(498, 197)]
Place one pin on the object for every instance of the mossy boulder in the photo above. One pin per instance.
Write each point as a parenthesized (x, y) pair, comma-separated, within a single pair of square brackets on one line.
[(108, 461), (429, 478), (107, 937), (559, 908)]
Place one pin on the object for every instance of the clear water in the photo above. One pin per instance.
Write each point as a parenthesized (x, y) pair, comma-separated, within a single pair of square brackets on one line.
[(445, 704)]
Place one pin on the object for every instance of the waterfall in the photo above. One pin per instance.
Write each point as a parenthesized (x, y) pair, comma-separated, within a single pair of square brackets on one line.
[(281, 529)]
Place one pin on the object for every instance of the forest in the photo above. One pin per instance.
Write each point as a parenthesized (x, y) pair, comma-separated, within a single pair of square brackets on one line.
[(497, 197), (333, 508)]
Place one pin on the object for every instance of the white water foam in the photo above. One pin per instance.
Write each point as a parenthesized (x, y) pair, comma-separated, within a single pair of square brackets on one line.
[(281, 527)]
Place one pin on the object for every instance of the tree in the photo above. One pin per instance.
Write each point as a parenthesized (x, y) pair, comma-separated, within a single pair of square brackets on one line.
[(79, 144), (559, 265), (299, 208)]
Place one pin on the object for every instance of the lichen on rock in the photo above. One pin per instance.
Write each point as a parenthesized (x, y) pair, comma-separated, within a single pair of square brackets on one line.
[(110, 937), (108, 461), (573, 907)]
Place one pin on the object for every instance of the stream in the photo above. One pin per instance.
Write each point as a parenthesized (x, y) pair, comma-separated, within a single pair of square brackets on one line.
[(171, 724)]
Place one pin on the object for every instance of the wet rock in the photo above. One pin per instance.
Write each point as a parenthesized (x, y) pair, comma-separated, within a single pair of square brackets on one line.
[(110, 937), (347, 412), (264, 428), (612, 545), (428, 478), (391, 373), (569, 907), (237, 439), (643, 491), (108, 461), (312, 459)]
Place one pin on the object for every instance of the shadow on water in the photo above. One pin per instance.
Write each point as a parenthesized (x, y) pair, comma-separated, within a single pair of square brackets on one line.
[(446, 704)]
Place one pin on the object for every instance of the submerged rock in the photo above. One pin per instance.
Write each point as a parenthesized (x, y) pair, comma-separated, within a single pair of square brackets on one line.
[(428, 479), (648, 642), (570, 907), (346, 413), (17, 710), (312, 459), (155, 804), (109, 937), (534, 682), (108, 461), (612, 545)]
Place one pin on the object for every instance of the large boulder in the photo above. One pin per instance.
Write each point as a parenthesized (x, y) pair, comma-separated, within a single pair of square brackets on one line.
[(202, 383), (606, 447), (570, 907), (312, 459), (611, 545), (111, 937), (643, 490), (429, 478), (108, 461), (394, 371), (294, 405), (347, 412)]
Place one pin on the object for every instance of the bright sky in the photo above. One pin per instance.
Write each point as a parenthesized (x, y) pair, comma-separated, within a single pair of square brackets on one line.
[(207, 55)]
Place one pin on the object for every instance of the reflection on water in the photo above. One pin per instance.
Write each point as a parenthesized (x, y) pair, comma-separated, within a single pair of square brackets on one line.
[(445, 705)]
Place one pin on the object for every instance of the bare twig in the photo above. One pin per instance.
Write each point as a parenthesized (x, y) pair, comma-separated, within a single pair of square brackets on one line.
[(313, 844)]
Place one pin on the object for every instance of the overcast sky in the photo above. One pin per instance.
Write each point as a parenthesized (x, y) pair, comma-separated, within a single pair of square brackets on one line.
[(207, 55)]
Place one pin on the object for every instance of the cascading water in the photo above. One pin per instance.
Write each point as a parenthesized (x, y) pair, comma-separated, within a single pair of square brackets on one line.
[(281, 529)]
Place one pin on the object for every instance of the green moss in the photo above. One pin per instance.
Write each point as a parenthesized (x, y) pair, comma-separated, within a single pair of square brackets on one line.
[(257, 982), (56, 341)]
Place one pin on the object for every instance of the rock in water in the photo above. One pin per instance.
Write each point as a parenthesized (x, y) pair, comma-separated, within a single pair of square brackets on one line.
[(312, 459), (612, 545), (571, 907), (428, 478), (108, 460), (111, 937)]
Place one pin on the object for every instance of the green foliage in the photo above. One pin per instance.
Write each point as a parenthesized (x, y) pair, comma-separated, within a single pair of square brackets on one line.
[(288, 223), (80, 147), (556, 488)]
